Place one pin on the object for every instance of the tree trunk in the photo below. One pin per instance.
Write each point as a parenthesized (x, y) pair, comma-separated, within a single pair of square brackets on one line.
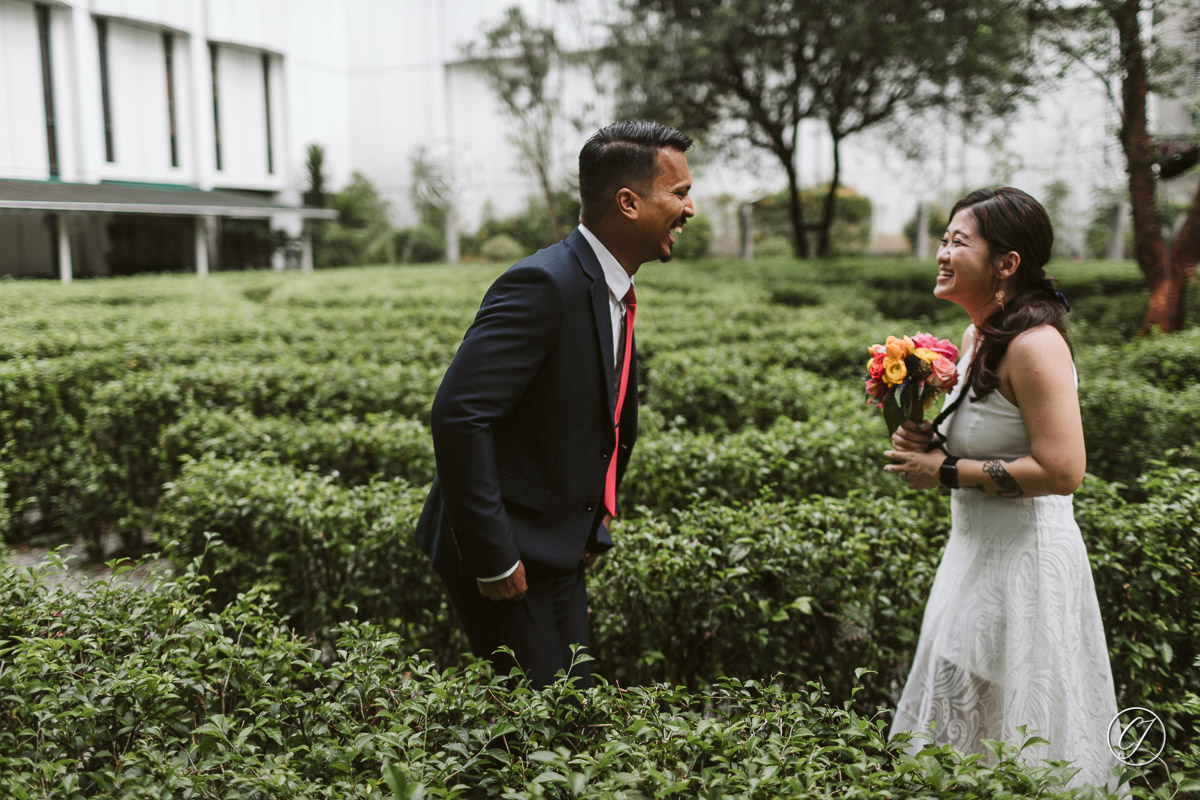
[(823, 243), (1163, 276), (796, 213)]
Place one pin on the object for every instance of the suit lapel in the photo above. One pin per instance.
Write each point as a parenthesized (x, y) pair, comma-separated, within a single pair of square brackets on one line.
[(601, 315)]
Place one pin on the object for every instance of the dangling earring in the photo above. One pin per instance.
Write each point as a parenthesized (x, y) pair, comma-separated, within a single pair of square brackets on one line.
[(1000, 298)]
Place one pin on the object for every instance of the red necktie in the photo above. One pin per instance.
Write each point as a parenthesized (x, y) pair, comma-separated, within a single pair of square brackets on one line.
[(610, 480)]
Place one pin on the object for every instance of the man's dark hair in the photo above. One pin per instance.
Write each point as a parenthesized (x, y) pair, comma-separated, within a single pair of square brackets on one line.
[(622, 155)]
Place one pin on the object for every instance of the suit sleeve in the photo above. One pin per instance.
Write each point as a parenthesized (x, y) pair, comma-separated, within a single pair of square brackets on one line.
[(516, 328)]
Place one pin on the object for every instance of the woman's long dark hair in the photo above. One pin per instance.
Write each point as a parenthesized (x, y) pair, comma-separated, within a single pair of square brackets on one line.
[(1009, 220)]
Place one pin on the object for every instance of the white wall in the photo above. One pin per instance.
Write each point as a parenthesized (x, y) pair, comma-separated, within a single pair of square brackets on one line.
[(137, 81), (23, 151), (372, 80)]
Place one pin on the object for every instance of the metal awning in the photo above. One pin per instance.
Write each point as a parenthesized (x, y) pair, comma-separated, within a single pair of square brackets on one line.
[(122, 198)]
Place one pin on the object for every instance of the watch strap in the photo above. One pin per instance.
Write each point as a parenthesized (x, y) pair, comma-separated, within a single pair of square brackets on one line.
[(948, 472)]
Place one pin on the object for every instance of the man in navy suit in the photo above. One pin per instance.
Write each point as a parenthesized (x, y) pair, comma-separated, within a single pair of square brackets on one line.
[(530, 426)]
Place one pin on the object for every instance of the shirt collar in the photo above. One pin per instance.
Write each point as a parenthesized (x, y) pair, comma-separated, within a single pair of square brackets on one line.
[(615, 276)]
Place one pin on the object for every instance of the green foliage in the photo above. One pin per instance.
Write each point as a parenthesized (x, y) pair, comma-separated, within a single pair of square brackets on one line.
[(144, 692), (314, 167), (850, 231), (331, 553), (531, 228), (362, 233), (421, 244), (503, 249), (270, 433), (695, 240)]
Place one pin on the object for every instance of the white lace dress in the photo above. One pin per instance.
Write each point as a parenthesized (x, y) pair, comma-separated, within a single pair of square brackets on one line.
[(1012, 632)]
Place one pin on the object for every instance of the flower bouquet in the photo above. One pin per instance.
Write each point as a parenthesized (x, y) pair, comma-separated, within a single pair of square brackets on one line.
[(906, 376)]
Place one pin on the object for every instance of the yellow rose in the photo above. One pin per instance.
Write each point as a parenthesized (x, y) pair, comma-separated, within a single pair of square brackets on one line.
[(927, 355), (894, 370)]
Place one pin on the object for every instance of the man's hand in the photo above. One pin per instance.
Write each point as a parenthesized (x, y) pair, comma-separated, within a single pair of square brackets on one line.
[(590, 558), (510, 588)]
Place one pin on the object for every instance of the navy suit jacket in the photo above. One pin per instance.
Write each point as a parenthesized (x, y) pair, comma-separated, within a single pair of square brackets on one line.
[(523, 422)]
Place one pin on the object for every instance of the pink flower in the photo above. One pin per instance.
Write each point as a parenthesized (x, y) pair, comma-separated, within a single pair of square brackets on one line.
[(943, 373), (941, 346), (875, 368)]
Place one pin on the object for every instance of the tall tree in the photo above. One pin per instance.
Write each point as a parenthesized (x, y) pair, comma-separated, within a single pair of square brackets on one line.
[(734, 72), (969, 58), (520, 62), (1111, 37), (751, 70)]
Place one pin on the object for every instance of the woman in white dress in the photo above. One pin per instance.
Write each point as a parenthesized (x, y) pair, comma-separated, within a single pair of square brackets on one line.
[(1012, 633)]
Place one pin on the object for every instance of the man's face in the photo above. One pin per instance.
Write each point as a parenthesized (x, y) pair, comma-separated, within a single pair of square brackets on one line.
[(667, 205)]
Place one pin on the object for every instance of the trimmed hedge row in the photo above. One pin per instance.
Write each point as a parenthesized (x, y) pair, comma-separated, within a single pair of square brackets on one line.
[(810, 590), (330, 552), (1130, 424), (86, 454), (676, 468), (152, 695), (355, 450)]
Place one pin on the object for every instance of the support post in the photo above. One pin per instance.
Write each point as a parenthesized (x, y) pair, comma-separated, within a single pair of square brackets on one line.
[(202, 246), (66, 272), (306, 248)]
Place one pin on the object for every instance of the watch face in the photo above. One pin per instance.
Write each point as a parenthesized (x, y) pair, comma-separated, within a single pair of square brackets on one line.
[(948, 472)]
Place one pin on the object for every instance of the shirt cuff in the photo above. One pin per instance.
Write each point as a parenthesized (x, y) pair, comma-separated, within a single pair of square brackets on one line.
[(502, 575)]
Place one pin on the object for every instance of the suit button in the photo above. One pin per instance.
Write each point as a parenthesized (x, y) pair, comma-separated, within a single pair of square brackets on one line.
[(604, 455), (590, 505)]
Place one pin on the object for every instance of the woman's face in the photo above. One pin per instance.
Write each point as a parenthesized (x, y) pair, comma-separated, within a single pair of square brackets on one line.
[(966, 274)]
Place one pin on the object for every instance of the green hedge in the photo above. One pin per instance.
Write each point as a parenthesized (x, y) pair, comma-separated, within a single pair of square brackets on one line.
[(142, 692), (811, 590), (330, 552), (356, 450), (676, 468)]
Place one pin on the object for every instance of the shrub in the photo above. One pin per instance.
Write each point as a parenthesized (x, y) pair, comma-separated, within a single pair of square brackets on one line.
[(724, 389), (675, 468), (331, 552), (1124, 418), (1146, 563), (695, 240), (773, 247), (503, 248), (812, 590), (153, 695), (423, 244), (352, 450)]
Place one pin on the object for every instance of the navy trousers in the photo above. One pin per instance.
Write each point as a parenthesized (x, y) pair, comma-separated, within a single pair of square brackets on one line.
[(540, 628)]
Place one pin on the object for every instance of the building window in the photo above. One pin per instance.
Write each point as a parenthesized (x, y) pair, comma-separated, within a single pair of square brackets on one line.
[(1195, 93), (266, 70), (169, 58), (105, 94), (43, 21), (212, 60)]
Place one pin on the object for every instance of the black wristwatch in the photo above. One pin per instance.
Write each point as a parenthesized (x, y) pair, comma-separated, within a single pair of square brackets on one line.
[(948, 472)]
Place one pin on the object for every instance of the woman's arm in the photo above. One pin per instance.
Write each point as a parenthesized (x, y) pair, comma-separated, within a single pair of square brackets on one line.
[(1038, 371)]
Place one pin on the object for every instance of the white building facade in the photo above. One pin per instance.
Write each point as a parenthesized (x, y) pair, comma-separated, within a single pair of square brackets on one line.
[(171, 134)]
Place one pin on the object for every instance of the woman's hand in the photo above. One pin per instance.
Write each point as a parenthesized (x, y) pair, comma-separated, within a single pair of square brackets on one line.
[(913, 436), (916, 468)]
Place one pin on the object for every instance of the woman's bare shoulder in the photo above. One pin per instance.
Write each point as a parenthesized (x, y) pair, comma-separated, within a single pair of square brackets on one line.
[(1038, 350)]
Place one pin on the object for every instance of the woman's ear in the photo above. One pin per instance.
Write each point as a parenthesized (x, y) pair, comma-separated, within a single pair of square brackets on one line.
[(1006, 265), (628, 203)]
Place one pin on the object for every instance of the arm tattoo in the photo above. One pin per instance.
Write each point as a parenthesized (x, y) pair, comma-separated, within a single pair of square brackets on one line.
[(1006, 485)]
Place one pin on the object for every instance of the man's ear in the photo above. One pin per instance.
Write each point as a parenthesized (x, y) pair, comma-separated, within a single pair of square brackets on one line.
[(628, 203)]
